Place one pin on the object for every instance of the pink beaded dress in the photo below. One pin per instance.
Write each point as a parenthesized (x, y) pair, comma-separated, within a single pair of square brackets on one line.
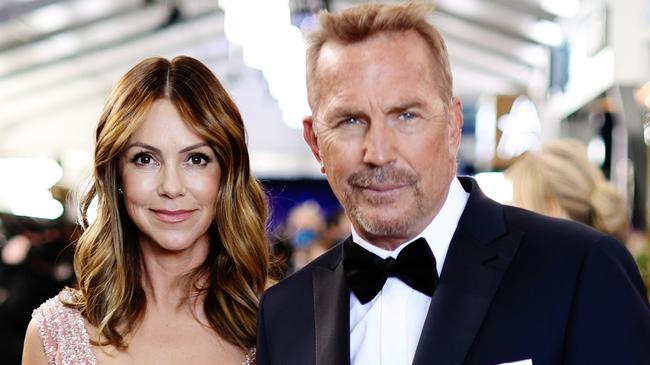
[(64, 337)]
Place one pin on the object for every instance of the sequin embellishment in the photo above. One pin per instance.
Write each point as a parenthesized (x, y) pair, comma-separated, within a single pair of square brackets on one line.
[(63, 333), (250, 357), (64, 336)]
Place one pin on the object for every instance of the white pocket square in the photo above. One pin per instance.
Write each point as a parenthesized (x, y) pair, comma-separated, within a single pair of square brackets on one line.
[(520, 362)]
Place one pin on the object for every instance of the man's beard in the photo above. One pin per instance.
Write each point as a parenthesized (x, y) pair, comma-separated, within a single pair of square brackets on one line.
[(386, 227)]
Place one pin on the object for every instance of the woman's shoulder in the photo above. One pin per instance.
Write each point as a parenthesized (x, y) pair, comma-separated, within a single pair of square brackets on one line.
[(62, 329), (54, 313)]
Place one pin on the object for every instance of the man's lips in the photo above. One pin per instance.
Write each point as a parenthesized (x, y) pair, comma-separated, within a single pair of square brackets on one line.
[(381, 188), (173, 216)]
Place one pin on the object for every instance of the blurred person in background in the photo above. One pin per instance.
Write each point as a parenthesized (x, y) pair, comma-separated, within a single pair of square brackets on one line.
[(434, 271), (560, 181), (306, 234), (337, 229), (171, 269), (304, 229)]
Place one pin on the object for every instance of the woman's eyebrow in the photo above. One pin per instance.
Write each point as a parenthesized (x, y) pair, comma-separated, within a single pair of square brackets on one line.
[(194, 146), (143, 145)]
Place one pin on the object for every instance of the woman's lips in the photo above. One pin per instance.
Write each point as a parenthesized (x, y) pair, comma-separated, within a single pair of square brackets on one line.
[(172, 216)]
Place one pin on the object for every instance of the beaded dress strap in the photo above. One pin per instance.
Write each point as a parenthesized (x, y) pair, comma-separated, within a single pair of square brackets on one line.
[(63, 333), (250, 357)]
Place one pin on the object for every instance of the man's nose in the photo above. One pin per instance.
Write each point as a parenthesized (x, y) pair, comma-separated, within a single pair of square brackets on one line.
[(379, 144)]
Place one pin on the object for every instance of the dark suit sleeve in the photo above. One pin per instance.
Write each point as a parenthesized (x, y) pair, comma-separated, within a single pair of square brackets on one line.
[(261, 355), (610, 316)]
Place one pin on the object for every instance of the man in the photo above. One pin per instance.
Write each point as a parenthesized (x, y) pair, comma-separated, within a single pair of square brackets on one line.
[(434, 272)]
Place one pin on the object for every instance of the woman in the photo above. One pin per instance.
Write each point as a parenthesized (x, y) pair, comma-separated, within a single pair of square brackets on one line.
[(172, 267), (559, 180)]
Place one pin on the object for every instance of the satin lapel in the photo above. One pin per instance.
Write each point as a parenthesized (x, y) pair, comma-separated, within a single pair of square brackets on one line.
[(478, 256), (462, 299), (332, 314)]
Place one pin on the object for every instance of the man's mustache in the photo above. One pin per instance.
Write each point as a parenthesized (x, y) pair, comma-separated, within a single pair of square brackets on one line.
[(382, 175)]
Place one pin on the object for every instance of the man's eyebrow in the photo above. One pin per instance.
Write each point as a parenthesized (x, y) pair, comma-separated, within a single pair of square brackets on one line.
[(405, 106), (343, 110)]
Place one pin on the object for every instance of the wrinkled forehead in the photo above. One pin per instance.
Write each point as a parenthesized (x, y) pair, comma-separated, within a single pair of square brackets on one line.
[(377, 46), (389, 60)]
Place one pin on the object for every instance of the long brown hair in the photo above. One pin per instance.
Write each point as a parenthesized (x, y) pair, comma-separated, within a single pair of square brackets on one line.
[(107, 258)]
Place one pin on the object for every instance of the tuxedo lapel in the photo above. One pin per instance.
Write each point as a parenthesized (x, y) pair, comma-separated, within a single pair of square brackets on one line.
[(332, 313), (479, 254)]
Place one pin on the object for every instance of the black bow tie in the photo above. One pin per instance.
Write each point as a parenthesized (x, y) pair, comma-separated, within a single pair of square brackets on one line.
[(366, 272)]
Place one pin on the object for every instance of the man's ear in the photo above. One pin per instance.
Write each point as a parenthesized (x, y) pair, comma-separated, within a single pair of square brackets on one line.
[(309, 134), (455, 123)]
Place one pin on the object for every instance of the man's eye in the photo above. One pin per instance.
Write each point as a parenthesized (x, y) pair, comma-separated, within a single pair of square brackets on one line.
[(407, 116), (351, 120)]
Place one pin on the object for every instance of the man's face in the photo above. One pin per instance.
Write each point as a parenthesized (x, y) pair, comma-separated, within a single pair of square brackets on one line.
[(385, 139)]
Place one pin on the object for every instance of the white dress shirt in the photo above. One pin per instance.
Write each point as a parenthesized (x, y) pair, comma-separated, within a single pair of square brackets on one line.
[(387, 329)]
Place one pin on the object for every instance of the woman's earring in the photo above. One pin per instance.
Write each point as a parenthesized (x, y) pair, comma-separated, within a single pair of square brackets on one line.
[(120, 191)]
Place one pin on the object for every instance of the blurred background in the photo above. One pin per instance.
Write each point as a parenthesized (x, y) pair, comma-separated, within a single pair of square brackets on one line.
[(527, 71)]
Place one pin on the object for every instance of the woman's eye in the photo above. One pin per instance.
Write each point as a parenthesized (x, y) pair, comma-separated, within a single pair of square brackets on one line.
[(143, 159), (199, 159)]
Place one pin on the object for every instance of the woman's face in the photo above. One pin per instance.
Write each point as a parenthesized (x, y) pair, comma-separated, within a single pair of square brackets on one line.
[(170, 180)]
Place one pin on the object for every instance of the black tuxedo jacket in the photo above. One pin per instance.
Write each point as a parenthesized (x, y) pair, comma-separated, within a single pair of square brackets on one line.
[(515, 285)]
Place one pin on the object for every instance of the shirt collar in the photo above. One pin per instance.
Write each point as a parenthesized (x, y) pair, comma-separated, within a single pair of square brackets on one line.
[(438, 232)]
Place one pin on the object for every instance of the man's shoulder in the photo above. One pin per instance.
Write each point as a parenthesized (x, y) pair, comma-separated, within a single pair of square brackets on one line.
[(300, 282), (518, 218), (561, 234), (486, 219)]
